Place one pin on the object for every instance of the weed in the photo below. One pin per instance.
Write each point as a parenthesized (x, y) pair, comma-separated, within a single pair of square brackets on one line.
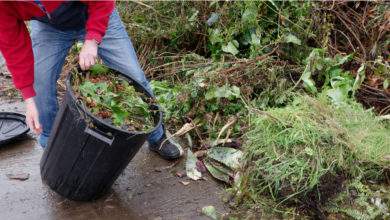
[(112, 98)]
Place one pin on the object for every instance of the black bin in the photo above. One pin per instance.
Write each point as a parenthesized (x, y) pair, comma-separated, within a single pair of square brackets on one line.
[(85, 155)]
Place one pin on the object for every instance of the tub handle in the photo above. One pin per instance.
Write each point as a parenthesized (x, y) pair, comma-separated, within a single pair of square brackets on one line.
[(99, 135)]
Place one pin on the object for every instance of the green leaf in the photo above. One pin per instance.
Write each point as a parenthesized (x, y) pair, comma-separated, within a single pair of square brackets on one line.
[(191, 170), (386, 84), (230, 157), (313, 62), (119, 115), (226, 91), (290, 38), (337, 95), (360, 76), (255, 40), (78, 46), (215, 36), (340, 60), (218, 171), (210, 212), (230, 48), (308, 82)]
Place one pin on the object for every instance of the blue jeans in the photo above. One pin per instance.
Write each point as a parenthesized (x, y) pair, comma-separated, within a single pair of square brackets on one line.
[(50, 47)]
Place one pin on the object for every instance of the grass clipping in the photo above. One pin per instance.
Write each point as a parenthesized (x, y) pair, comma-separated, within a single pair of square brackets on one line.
[(113, 99), (303, 153)]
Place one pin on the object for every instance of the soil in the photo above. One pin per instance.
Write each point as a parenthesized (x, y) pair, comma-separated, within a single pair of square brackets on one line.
[(330, 185)]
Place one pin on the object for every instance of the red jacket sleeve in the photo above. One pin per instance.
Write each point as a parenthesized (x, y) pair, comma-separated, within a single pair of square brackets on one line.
[(15, 45), (98, 16)]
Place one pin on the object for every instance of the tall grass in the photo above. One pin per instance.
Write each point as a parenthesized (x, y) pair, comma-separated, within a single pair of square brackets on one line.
[(293, 153)]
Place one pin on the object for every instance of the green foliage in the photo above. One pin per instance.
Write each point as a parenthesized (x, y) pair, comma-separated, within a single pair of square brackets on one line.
[(251, 28), (98, 69), (366, 202), (289, 151), (286, 157), (171, 99), (114, 99), (240, 28), (338, 83), (198, 101)]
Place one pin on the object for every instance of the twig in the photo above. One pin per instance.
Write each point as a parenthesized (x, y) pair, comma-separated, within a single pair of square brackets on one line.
[(225, 127), (352, 32), (183, 130)]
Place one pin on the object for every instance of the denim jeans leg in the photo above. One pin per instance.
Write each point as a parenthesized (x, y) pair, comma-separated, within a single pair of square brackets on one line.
[(117, 52), (50, 48)]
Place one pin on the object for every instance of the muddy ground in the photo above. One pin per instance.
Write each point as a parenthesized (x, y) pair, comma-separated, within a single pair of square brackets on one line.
[(148, 188)]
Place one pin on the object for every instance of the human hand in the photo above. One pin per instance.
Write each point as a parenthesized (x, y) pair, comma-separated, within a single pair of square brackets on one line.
[(88, 54), (32, 116)]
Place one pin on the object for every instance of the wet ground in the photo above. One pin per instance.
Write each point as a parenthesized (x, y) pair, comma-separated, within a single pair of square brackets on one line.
[(147, 189)]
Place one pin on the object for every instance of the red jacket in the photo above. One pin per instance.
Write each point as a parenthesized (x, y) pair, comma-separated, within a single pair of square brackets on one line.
[(15, 42)]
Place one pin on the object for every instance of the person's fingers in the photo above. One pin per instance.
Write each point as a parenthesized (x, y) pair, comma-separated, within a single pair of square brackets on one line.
[(82, 62), (93, 60), (87, 62), (37, 125), (29, 122), (90, 61)]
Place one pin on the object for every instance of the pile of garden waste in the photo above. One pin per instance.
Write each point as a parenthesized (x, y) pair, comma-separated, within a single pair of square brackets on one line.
[(113, 99)]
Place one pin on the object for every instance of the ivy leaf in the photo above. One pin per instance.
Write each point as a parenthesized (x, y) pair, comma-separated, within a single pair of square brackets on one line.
[(230, 48), (290, 38)]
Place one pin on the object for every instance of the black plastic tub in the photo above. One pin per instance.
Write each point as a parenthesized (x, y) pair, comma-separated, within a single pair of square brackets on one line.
[(85, 155), (13, 127)]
